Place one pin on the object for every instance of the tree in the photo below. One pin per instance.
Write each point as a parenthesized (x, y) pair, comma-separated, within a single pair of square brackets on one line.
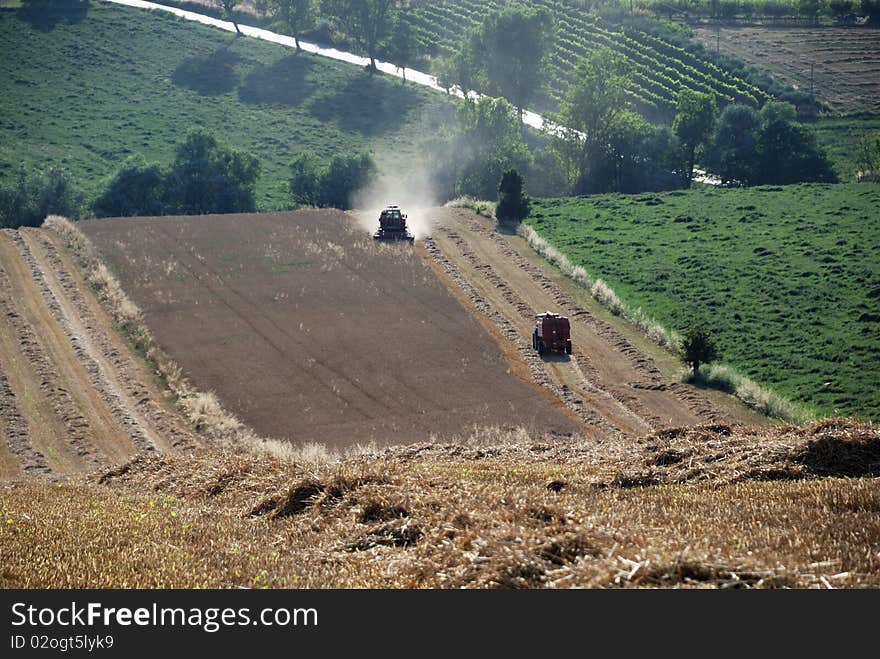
[(208, 177), (138, 188), (344, 176), (733, 153), (513, 204), (295, 16), (593, 103), (305, 180), (787, 151), (868, 154), (401, 47), (313, 183), (368, 22), (693, 124), (488, 142), (698, 347), (33, 196), (227, 8), (512, 46)]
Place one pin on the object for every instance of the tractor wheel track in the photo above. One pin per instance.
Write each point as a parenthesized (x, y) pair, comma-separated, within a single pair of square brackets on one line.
[(69, 437), (538, 369), (110, 367), (621, 412), (633, 401)]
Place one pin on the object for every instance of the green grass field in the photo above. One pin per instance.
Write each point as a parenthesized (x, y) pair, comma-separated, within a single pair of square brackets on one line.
[(86, 90), (788, 278), (840, 136)]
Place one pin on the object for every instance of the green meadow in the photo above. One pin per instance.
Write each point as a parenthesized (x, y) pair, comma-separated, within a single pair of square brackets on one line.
[(83, 90), (788, 278)]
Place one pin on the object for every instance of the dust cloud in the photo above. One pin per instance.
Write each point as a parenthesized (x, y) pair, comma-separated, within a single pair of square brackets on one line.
[(411, 191)]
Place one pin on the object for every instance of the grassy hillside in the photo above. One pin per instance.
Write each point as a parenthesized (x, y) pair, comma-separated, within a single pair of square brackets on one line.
[(85, 90), (789, 278)]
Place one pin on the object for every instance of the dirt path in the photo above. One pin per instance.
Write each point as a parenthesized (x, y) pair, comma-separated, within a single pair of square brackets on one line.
[(607, 377)]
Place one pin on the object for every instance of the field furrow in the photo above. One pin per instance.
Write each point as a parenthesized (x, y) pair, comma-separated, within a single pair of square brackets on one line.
[(110, 360), (607, 373), (43, 379)]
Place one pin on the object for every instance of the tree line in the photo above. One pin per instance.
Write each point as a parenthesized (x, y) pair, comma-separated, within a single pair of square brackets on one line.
[(206, 176)]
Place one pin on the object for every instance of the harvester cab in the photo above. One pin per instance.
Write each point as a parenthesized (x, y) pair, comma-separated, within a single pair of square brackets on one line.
[(552, 333), (392, 225)]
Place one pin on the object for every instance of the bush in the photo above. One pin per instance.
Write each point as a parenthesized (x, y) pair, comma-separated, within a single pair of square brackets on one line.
[(33, 196), (333, 185), (513, 204), (698, 347), (208, 177), (138, 188)]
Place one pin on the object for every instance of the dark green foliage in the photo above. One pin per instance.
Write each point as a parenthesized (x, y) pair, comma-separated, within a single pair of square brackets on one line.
[(868, 154), (368, 22), (486, 143), (733, 155), (313, 183), (606, 147), (698, 347), (694, 121), (513, 204), (207, 177), (30, 197), (788, 277), (508, 51), (769, 147), (137, 189), (788, 151)]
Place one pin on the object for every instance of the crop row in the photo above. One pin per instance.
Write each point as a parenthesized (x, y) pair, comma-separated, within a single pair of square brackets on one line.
[(660, 68)]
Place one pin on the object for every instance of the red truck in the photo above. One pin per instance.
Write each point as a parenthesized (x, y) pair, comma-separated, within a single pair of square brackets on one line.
[(552, 332)]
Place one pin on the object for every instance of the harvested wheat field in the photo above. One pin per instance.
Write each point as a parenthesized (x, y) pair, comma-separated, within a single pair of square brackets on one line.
[(845, 60), (308, 330), (705, 507)]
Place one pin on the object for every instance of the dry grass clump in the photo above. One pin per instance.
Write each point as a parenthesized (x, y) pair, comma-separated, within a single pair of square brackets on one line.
[(720, 455), (451, 516)]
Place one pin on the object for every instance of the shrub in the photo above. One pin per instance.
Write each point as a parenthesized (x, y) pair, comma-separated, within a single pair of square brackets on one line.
[(513, 203), (138, 188), (698, 347), (208, 177), (32, 196), (315, 184)]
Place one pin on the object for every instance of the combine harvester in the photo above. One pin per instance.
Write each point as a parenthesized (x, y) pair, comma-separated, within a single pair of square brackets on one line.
[(392, 226)]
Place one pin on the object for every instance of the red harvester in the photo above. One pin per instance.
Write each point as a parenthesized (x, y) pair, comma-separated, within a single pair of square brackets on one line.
[(552, 332)]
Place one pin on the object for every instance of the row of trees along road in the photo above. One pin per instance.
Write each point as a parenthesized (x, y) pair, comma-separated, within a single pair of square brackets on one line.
[(369, 22)]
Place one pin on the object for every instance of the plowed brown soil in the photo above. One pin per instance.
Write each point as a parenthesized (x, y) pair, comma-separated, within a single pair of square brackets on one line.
[(309, 330)]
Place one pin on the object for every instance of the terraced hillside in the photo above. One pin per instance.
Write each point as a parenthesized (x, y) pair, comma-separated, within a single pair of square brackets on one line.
[(660, 67)]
